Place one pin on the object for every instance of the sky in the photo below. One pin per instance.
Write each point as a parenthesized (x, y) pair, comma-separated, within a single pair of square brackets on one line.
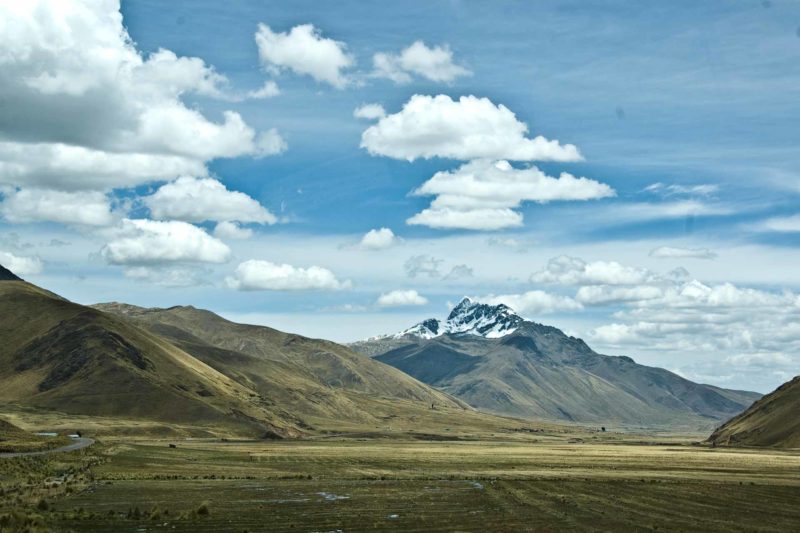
[(627, 172)]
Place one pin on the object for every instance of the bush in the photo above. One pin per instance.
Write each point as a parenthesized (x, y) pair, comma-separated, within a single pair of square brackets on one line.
[(203, 509), (43, 505)]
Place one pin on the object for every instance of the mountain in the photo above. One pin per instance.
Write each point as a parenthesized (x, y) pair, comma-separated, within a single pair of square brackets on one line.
[(315, 379), (190, 371), (495, 360), (774, 420), (58, 355)]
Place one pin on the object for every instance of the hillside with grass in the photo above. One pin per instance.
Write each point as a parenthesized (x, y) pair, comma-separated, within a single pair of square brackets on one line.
[(774, 421)]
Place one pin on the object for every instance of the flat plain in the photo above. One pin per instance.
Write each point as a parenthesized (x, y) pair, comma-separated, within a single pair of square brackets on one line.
[(545, 482)]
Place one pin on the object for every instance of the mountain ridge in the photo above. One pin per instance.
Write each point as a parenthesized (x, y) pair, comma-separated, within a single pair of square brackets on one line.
[(499, 362)]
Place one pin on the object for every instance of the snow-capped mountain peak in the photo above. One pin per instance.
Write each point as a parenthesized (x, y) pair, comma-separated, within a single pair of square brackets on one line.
[(475, 318), (468, 317)]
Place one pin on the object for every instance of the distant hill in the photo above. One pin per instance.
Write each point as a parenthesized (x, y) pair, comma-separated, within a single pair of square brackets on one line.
[(185, 369), (493, 359), (774, 420)]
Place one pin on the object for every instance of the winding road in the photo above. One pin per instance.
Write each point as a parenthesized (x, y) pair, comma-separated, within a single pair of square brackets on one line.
[(76, 444)]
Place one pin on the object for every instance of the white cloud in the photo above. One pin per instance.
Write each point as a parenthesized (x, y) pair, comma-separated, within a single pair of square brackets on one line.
[(369, 111), (65, 167), (534, 302), (567, 270), (254, 275), (433, 63), (150, 242), (83, 109), (83, 208), (481, 194), (200, 199), (401, 298), (788, 224), (378, 239), (20, 265), (468, 128), (473, 219), (672, 252), (232, 230), (303, 50), (270, 89)]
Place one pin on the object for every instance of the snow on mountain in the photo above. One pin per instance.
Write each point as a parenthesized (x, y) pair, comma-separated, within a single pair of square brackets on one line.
[(467, 318)]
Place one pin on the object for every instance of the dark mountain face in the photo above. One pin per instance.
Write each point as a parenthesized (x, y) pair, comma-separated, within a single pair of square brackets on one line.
[(7, 275), (774, 421), (495, 360)]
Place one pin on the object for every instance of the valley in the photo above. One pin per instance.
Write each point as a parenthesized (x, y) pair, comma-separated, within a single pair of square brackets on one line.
[(523, 482), (190, 422)]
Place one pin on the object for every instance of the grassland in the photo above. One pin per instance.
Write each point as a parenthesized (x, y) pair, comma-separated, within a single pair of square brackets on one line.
[(545, 481)]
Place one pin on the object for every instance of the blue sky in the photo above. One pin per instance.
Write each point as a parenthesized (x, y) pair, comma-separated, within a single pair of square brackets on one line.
[(684, 113)]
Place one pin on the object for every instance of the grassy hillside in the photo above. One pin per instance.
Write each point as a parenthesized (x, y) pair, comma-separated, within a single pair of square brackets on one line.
[(55, 354), (126, 370), (774, 420), (314, 378)]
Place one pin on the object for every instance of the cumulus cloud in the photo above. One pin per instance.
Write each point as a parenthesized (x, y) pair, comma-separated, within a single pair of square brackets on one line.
[(200, 199), (21, 265), (232, 230), (270, 89), (378, 239), (433, 63), (81, 208), (369, 112), (304, 50), (534, 302), (566, 270), (738, 330), (255, 275), (672, 252), (149, 242), (84, 109), (465, 129), (401, 298), (481, 194)]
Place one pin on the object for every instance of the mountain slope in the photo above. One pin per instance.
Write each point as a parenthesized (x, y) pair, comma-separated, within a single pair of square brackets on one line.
[(496, 361), (189, 370), (313, 378), (774, 420), (55, 354)]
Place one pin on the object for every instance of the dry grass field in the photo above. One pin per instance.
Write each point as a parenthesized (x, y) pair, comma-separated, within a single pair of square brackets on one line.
[(536, 483)]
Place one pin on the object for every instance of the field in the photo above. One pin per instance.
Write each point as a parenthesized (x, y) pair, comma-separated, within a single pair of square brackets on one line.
[(545, 482)]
